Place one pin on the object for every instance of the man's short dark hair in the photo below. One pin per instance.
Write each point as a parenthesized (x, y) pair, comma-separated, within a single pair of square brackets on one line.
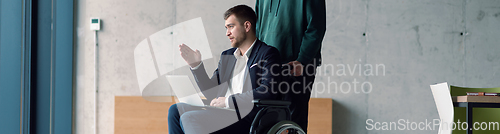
[(242, 13)]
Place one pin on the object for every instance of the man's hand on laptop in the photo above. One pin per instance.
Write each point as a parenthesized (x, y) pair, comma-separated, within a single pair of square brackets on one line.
[(192, 57), (218, 102)]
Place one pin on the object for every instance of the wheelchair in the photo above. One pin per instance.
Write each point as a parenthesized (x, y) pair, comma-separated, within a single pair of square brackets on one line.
[(274, 118)]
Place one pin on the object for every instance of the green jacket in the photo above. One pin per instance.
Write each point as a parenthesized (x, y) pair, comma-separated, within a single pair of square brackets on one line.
[(295, 27)]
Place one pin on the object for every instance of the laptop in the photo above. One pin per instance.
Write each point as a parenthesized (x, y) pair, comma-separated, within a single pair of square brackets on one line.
[(185, 91)]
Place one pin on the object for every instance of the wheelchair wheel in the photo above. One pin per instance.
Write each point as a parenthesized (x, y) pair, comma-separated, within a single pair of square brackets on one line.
[(286, 127)]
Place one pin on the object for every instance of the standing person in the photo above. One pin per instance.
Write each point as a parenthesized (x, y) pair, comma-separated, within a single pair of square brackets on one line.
[(296, 28), (244, 73)]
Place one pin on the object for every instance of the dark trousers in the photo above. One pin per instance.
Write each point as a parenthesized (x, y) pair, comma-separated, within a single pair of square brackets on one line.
[(185, 118), (300, 94)]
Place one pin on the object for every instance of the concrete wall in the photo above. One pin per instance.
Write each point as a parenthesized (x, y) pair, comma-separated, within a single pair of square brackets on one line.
[(414, 44)]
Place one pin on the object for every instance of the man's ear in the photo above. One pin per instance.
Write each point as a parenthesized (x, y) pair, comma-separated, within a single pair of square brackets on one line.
[(248, 26)]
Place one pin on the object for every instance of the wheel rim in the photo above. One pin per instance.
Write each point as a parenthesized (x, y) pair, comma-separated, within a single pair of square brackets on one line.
[(286, 127)]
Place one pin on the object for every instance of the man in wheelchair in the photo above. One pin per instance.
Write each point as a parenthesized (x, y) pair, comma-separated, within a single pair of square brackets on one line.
[(245, 81)]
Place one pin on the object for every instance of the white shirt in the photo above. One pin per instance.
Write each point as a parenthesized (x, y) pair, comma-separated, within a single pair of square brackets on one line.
[(240, 74)]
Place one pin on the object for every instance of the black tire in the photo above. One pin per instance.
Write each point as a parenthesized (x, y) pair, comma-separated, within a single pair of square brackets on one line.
[(284, 126)]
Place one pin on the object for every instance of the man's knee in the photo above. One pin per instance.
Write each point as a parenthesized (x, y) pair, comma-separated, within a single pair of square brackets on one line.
[(187, 118), (173, 112), (173, 109)]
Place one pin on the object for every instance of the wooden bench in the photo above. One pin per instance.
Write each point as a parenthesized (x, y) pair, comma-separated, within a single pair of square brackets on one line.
[(134, 114)]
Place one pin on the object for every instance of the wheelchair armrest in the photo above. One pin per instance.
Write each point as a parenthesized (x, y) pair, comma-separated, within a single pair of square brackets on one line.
[(278, 103)]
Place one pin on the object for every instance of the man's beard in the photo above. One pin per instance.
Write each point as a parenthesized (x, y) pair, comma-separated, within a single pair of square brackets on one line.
[(237, 43)]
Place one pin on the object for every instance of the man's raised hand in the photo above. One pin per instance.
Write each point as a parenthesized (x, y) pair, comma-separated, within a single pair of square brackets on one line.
[(193, 58)]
